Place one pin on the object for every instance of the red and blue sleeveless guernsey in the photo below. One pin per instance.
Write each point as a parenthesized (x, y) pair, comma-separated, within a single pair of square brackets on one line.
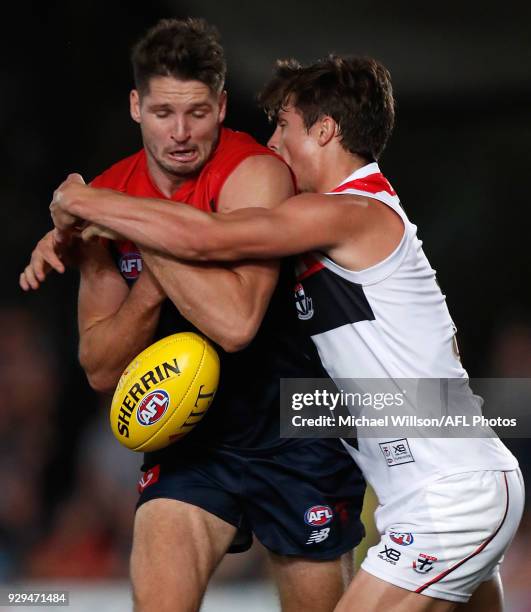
[(245, 412)]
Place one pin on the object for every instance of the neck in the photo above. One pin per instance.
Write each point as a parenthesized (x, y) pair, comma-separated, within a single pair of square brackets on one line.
[(165, 182), (336, 169)]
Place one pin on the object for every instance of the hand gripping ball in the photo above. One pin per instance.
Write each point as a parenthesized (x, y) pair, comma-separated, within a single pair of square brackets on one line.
[(164, 392)]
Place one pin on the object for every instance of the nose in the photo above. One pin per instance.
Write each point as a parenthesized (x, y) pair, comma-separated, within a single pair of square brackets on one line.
[(180, 130), (274, 142)]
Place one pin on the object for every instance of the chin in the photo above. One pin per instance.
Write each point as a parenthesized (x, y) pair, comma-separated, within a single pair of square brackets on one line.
[(183, 169)]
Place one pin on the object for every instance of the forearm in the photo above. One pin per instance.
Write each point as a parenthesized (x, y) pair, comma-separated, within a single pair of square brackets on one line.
[(171, 228), (217, 300), (184, 232), (108, 345)]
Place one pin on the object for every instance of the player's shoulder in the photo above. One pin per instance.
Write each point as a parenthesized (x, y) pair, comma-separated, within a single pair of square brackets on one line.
[(234, 147), (249, 154), (234, 140), (241, 164), (257, 180), (262, 166), (117, 175)]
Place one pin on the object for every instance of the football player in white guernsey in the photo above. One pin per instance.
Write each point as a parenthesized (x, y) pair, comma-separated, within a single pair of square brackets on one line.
[(369, 299)]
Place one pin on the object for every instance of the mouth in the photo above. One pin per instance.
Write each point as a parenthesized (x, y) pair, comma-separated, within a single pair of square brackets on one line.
[(183, 156)]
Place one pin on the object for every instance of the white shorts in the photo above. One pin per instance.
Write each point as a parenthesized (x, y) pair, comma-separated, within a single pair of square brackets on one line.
[(446, 539)]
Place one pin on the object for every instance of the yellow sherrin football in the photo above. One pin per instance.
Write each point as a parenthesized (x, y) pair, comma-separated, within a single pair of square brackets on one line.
[(164, 392)]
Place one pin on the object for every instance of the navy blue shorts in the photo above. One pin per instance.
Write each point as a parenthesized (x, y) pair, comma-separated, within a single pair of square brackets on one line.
[(304, 500)]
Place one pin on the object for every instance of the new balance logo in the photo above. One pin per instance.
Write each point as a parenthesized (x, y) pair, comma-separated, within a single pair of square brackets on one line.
[(318, 536)]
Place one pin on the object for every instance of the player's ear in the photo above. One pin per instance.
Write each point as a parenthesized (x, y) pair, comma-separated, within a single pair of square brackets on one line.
[(134, 105), (327, 129), (222, 106)]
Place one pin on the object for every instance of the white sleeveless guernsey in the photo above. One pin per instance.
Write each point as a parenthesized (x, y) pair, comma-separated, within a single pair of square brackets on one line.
[(390, 321)]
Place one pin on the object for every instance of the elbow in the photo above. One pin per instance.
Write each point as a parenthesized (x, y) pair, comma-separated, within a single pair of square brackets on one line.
[(100, 382), (238, 338), (98, 379), (234, 345)]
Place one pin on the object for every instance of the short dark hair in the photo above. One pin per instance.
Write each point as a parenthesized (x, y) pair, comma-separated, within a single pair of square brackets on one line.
[(188, 49), (355, 91)]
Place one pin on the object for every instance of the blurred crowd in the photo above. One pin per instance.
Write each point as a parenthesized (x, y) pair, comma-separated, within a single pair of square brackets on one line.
[(69, 488)]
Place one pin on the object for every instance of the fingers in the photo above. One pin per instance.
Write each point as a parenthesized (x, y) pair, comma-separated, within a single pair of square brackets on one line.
[(46, 256), (75, 177), (51, 261), (29, 279), (93, 231), (22, 281), (44, 259), (62, 220), (62, 237)]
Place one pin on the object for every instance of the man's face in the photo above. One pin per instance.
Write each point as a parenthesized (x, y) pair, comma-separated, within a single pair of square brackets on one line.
[(296, 145), (180, 123)]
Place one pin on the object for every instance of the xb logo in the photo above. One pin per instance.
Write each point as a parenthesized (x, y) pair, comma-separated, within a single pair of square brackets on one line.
[(399, 449), (391, 553)]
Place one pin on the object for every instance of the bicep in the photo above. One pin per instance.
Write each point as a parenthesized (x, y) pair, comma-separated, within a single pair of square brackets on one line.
[(259, 181), (300, 224)]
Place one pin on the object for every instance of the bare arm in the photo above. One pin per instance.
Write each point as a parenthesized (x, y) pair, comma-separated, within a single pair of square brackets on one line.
[(115, 323), (228, 302), (301, 223)]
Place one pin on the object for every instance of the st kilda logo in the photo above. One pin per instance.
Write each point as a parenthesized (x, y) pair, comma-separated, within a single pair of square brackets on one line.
[(152, 407), (303, 303), (317, 516), (130, 265), (424, 563)]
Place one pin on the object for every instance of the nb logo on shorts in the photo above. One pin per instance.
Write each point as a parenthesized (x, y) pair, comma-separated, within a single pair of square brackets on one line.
[(318, 536)]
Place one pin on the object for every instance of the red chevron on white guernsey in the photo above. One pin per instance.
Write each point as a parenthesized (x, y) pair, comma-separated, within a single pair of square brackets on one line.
[(373, 183), (307, 265)]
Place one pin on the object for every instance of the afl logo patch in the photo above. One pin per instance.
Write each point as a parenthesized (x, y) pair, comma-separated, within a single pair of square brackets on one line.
[(130, 265), (152, 408), (303, 303), (317, 516), (404, 539)]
